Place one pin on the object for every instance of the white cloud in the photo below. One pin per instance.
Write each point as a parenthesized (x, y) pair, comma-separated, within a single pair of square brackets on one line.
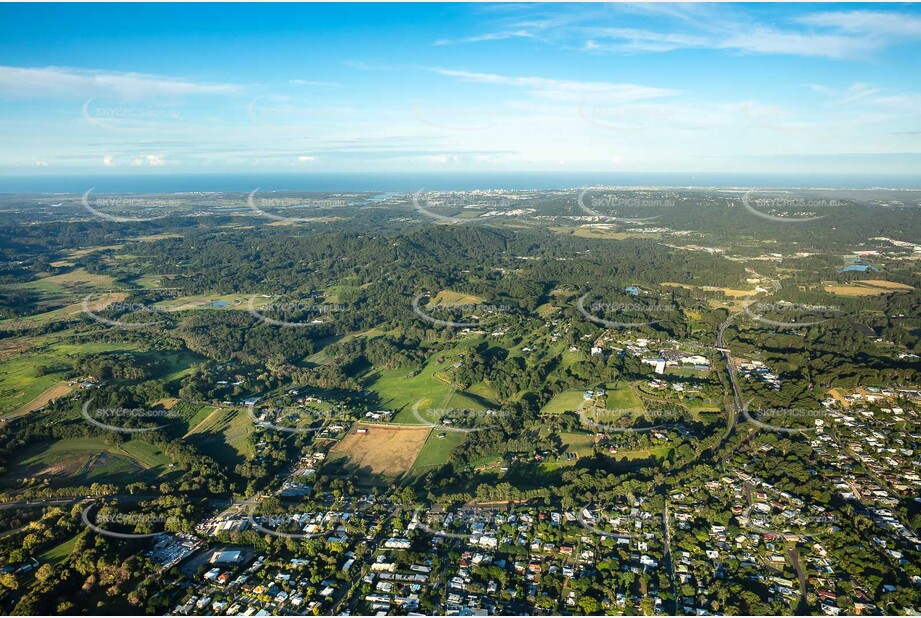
[(633, 39), (311, 82), (867, 22), (489, 36), (150, 160), (108, 160), (838, 34), (563, 89), (45, 82), (870, 97), (306, 159), (771, 41), (734, 37)]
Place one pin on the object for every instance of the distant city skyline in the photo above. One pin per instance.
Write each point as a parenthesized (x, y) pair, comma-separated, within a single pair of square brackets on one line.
[(315, 88)]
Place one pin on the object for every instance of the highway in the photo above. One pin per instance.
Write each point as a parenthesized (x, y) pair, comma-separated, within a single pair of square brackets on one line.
[(737, 404)]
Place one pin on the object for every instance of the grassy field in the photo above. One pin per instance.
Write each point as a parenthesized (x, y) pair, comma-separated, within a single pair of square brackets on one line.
[(153, 237), (730, 292), (436, 451), (65, 291), (867, 287), (89, 460), (380, 456), (399, 393), (178, 364), (152, 282), (44, 398), (481, 391), (621, 396), (658, 453), (223, 435), (71, 309), (203, 301), (22, 387), (567, 401), (701, 405), (579, 443), (20, 382), (58, 553), (333, 293), (77, 280), (584, 231), (686, 372), (450, 297), (322, 358)]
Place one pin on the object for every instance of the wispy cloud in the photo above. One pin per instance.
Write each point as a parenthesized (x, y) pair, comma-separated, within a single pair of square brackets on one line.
[(869, 97), (867, 22), (634, 39), (563, 89), (836, 34), (314, 83), (489, 36), (762, 40), (53, 82)]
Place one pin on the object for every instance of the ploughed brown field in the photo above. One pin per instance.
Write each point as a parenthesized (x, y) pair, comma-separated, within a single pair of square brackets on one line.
[(380, 454)]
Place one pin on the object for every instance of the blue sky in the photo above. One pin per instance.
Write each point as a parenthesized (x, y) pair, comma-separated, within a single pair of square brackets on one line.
[(90, 89)]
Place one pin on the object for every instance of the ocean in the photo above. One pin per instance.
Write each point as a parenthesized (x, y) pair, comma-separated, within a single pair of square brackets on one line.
[(435, 181)]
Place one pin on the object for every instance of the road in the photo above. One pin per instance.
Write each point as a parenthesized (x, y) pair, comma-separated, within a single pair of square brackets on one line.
[(735, 408), (794, 558), (736, 405), (668, 554), (32, 504), (39, 502)]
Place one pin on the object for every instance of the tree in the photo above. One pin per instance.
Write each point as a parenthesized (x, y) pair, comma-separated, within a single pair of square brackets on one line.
[(589, 605), (44, 573), (9, 581)]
